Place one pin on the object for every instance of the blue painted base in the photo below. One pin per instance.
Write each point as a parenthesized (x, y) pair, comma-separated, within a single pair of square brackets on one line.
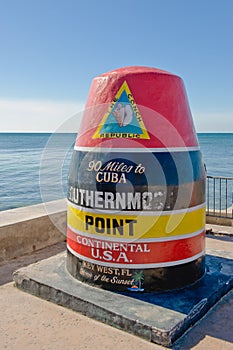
[(218, 276)]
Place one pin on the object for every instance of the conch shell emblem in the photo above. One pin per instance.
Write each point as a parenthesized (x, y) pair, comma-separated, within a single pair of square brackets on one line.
[(123, 114)]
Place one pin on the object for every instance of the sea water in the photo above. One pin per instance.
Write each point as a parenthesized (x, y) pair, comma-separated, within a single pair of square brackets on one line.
[(34, 166)]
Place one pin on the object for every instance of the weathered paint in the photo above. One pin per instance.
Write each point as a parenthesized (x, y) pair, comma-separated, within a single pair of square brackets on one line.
[(136, 192)]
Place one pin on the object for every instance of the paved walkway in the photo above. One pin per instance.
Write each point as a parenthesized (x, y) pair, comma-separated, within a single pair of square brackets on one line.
[(28, 322)]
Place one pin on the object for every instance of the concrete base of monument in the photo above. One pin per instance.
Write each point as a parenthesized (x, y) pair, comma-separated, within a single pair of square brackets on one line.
[(159, 317)]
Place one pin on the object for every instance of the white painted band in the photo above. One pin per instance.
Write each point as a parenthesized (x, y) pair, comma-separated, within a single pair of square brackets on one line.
[(136, 150)]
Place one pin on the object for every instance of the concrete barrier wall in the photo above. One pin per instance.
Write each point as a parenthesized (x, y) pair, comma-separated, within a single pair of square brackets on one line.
[(218, 220), (24, 230)]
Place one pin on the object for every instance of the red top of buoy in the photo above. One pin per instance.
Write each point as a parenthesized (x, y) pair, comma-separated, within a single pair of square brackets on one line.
[(135, 70), (134, 107)]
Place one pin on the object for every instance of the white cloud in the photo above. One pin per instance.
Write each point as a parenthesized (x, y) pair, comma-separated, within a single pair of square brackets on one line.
[(38, 115)]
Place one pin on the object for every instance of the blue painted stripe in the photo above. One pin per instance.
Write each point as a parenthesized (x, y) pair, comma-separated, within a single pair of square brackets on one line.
[(166, 168)]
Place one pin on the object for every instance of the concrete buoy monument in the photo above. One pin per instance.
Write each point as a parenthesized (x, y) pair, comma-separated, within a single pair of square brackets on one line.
[(136, 187)]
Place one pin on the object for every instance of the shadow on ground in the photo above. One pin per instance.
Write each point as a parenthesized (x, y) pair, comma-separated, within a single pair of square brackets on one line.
[(8, 267)]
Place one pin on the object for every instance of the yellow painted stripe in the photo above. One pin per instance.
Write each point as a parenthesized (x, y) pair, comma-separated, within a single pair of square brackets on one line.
[(136, 226)]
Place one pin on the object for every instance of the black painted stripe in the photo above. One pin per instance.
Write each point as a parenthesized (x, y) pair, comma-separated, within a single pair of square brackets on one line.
[(158, 197)]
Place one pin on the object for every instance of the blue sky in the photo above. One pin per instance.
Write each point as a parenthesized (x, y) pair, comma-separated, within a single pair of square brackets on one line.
[(52, 49)]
